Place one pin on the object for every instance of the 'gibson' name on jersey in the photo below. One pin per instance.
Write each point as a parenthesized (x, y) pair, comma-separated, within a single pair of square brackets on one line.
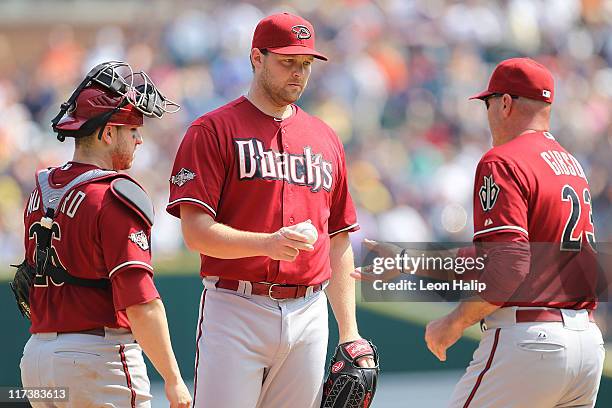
[(308, 169), (563, 163)]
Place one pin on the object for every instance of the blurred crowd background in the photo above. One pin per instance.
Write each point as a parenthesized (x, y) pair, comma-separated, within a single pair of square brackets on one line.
[(395, 90)]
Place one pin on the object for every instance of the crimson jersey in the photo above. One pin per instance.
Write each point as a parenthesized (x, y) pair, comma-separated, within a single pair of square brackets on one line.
[(95, 237), (532, 190), (255, 173)]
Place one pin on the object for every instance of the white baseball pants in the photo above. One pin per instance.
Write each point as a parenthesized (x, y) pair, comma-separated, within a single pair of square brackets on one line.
[(255, 352), (99, 371), (537, 364)]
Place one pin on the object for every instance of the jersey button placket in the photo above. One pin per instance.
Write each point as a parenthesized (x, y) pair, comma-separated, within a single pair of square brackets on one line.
[(285, 144), (283, 139), (287, 190)]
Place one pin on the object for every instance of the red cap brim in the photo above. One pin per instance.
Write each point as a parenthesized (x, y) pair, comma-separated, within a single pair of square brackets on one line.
[(298, 50), (482, 95)]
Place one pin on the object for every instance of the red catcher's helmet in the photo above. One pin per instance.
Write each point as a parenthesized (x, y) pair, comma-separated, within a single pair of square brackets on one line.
[(95, 101)]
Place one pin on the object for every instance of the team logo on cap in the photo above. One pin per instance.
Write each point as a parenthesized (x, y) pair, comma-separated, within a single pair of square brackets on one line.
[(182, 177), (140, 239), (546, 93), (301, 32)]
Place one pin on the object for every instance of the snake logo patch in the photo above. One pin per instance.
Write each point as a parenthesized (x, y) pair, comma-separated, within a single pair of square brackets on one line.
[(301, 32), (488, 193)]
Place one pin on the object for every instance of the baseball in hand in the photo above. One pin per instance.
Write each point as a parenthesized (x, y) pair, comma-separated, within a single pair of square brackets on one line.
[(307, 229)]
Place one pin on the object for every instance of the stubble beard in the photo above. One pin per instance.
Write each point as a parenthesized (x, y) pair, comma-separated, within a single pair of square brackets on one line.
[(279, 95), (123, 157)]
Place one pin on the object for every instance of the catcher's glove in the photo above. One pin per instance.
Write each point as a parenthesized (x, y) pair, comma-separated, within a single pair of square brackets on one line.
[(348, 385), (21, 285)]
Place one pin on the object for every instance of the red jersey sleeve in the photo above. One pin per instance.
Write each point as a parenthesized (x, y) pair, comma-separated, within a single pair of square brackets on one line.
[(342, 217), (507, 265), (124, 237), (198, 173), (133, 286), (500, 201)]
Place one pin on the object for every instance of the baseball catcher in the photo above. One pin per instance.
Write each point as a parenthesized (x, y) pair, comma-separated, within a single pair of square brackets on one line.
[(87, 281), (348, 385)]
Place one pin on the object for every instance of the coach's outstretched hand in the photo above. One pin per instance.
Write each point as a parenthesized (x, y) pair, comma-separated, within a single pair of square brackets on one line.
[(380, 250)]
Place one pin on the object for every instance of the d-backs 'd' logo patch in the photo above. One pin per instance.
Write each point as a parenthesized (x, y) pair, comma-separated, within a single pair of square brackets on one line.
[(306, 169), (301, 32), (182, 177), (488, 193), (140, 239)]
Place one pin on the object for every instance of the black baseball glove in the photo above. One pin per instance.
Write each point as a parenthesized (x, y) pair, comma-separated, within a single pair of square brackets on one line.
[(21, 285), (348, 385)]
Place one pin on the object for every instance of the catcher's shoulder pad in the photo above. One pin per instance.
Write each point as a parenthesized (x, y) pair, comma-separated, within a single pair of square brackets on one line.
[(132, 195)]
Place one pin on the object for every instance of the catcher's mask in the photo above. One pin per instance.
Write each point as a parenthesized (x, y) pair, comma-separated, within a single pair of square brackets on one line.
[(111, 94)]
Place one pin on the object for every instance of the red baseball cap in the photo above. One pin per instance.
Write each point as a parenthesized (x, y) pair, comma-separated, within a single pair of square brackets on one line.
[(521, 77), (286, 34)]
